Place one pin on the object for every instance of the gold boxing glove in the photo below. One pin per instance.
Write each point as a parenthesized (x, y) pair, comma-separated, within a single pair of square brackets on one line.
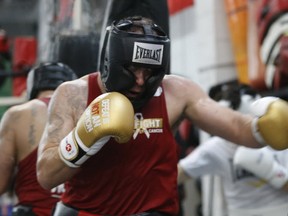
[(271, 125), (109, 115)]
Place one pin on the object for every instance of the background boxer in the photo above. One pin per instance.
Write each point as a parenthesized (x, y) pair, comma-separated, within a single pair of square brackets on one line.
[(21, 128)]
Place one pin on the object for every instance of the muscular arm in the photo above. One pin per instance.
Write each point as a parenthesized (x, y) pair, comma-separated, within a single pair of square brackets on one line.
[(223, 122), (192, 102), (7, 153), (65, 108)]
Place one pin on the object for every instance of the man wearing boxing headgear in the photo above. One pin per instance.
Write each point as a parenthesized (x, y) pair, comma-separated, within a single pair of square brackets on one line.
[(149, 50), (110, 133), (20, 132), (47, 76)]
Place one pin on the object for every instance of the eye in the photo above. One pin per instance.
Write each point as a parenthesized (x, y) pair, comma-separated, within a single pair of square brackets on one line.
[(131, 68), (148, 72), (143, 72)]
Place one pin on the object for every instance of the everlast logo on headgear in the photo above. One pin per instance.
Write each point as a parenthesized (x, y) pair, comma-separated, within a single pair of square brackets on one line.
[(147, 53)]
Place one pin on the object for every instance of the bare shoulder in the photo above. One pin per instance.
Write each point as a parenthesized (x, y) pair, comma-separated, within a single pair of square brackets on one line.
[(181, 86), (17, 112), (182, 94), (174, 80), (74, 88), (66, 106), (10, 115), (22, 125), (71, 97)]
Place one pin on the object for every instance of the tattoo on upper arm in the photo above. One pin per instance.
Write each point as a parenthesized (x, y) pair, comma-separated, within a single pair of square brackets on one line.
[(69, 109), (56, 120)]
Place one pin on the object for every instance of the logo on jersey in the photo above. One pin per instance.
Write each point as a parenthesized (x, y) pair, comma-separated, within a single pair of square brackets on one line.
[(146, 126), (147, 53)]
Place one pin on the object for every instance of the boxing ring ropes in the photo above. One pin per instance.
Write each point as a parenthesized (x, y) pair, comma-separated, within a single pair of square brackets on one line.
[(10, 101)]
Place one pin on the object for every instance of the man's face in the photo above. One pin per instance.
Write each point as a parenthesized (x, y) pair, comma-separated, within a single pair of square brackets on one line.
[(141, 75)]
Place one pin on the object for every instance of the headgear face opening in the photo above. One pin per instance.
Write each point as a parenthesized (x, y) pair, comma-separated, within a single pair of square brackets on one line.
[(47, 76), (122, 48)]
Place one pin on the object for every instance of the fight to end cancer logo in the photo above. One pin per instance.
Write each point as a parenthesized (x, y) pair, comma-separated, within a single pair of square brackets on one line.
[(146, 126)]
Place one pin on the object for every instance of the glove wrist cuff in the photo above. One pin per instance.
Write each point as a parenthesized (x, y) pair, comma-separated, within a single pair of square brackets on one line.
[(74, 152), (256, 134), (71, 152)]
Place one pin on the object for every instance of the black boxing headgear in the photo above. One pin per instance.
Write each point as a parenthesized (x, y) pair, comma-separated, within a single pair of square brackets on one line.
[(122, 48), (47, 76)]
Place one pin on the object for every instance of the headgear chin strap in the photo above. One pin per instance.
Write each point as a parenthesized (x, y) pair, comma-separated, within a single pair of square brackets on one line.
[(122, 48)]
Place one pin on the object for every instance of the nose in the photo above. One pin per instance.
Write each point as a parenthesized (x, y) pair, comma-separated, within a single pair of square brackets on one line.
[(140, 77)]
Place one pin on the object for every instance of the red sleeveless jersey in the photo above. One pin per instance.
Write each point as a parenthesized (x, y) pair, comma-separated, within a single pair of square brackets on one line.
[(133, 177), (28, 190)]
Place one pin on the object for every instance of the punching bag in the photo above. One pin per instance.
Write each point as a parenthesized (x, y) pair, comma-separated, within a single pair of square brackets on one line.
[(156, 10), (79, 51)]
